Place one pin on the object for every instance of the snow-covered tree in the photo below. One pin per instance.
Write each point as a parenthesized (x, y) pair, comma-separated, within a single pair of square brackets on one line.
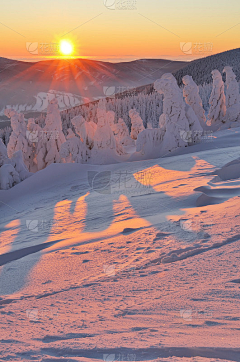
[(8, 177), (110, 116), (33, 133), (104, 137), (104, 150), (74, 150), (12, 171), (137, 124), (232, 93), (85, 130), (149, 142), (232, 96), (3, 154), (19, 165), (18, 140), (122, 134), (217, 100), (192, 98), (5, 134), (177, 122), (50, 138)]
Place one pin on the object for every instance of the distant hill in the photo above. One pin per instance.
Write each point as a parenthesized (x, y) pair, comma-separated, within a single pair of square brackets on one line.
[(201, 69), (29, 86)]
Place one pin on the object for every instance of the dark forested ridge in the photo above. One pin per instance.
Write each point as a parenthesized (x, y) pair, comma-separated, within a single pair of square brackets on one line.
[(201, 69)]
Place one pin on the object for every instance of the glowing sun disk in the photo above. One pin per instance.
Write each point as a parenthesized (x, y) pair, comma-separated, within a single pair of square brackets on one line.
[(66, 48)]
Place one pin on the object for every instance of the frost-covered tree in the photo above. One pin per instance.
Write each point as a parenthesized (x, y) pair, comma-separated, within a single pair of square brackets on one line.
[(110, 116), (192, 98), (104, 137), (18, 140), (104, 150), (74, 150), (232, 96), (51, 138), (217, 100), (12, 171), (33, 132), (122, 134), (137, 124), (177, 122), (5, 134), (8, 177), (85, 130), (3, 154), (19, 165), (149, 142), (232, 93)]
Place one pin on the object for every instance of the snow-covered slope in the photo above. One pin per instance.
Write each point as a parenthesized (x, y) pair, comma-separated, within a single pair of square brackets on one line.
[(129, 262)]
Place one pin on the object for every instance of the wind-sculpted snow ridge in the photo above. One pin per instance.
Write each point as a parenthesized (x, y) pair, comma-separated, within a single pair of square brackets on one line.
[(223, 186)]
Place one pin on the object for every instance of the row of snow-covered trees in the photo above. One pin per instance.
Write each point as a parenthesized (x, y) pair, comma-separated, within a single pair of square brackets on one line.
[(102, 137), (149, 106), (12, 170)]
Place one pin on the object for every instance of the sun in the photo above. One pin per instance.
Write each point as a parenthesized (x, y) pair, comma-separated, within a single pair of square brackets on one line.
[(66, 47)]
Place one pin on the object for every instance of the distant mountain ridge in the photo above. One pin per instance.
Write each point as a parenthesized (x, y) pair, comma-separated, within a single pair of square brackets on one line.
[(28, 87)]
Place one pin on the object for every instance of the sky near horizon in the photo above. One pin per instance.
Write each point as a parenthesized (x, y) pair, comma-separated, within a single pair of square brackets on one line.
[(127, 29)]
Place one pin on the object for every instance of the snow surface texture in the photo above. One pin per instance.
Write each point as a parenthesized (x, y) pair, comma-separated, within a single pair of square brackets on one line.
[(118, 263)]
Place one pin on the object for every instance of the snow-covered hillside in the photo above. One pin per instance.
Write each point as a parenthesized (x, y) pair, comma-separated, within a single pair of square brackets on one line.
[(127, 262)]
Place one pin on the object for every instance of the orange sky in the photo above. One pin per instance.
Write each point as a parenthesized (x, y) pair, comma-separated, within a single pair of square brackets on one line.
[(103, 29)]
